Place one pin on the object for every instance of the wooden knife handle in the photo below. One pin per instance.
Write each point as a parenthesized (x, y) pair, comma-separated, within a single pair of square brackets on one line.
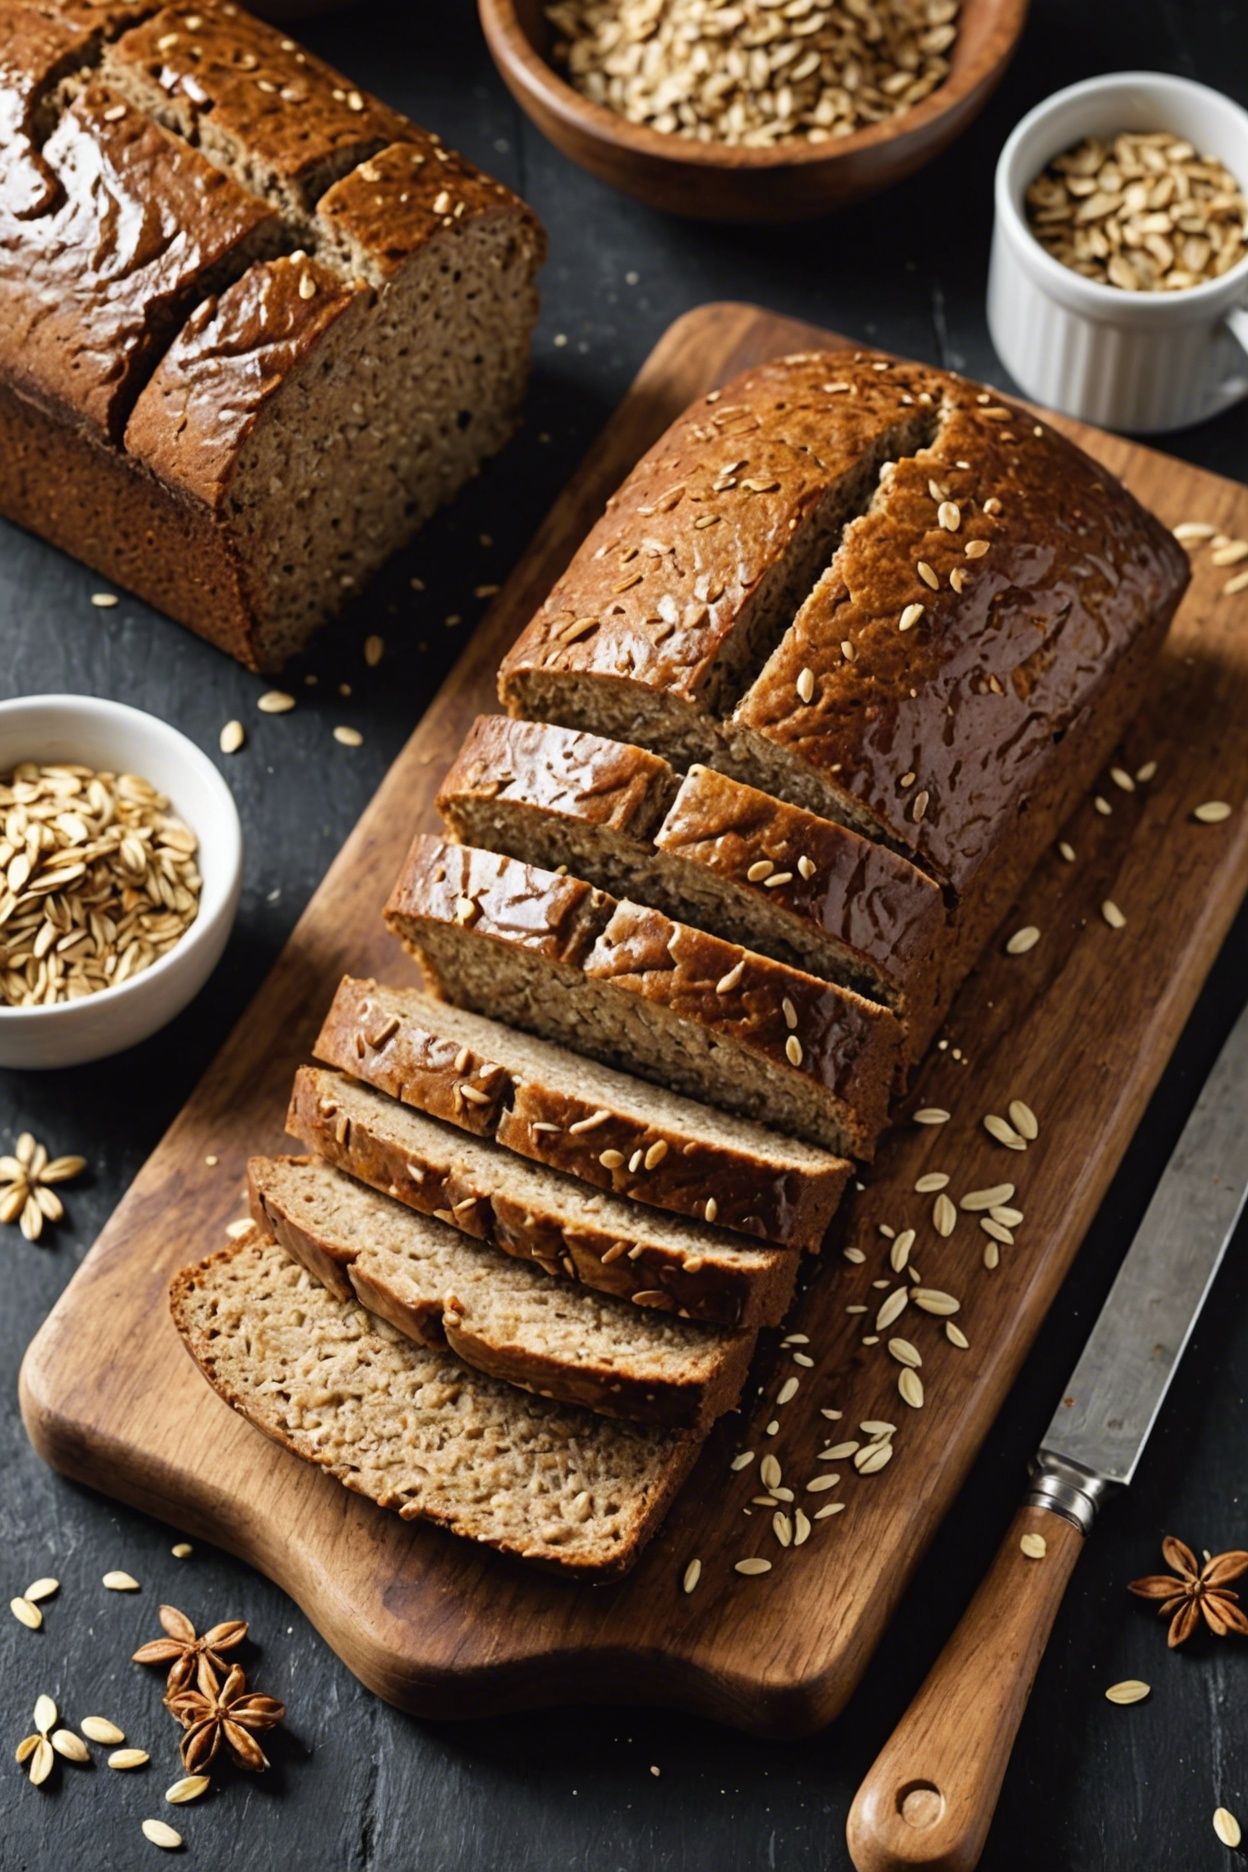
[(929, 1797)]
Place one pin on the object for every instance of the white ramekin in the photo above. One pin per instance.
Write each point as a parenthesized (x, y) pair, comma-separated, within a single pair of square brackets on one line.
[(111, 737), (1135, 361)]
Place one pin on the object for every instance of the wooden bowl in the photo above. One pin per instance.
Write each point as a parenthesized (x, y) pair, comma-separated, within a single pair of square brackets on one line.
[(720, 182)]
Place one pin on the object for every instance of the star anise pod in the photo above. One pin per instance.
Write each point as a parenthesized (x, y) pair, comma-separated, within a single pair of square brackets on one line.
[(1192, 1591), (214, 1713), (182, 1648)]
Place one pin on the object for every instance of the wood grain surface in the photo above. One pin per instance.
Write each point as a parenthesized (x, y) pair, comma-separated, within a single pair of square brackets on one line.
[(1080, 1028)]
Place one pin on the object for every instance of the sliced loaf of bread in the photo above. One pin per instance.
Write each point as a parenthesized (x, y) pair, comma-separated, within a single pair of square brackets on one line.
[(568, 1112), (640, 991), (503, 1316), (415, 1430), (709, 850), (583, 1235)]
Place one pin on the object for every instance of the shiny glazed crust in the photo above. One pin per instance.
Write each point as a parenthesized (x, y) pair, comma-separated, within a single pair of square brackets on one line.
[(661, 1151), (830, 1057)]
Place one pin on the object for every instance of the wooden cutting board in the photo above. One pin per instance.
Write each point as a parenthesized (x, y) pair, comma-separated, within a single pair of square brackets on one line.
[(1079, 1027)]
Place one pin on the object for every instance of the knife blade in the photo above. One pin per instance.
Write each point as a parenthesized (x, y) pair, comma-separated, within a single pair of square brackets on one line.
[(929, 1797), (1102, 1424)]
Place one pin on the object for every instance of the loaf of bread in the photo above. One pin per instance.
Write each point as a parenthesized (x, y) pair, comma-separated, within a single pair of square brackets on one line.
[(639, 990), (254, 326), (710, 850), (572, 1114), (415, 1430), (503, 1316), (875, 591), (585, 1236)]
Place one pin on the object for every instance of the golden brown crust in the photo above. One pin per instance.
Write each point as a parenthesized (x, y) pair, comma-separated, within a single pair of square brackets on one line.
[(933, 736), (630, 1384), (640, 1471), (839, 1054), (569, 1233), (397, 1040)]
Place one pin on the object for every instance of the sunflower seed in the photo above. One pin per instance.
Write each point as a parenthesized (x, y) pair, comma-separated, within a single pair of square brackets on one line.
[(752, 1567), (855, 1255), (769, 1471), (996, 1231), (892, 1309), (819, 1483), (99, 1729), (989, 1198), (782, 1528), (182, 1550), (42, 1761), (933, 1180), (1112, 914), (1225, 1825), (1022, 940), (932, 1300), (1067, 850), (1024, 1120), (1003, 1133), (118, 1581), (955, 1335), (743, 1459), (1034, 1546), (45, 1714), (190, 1787), (129, 1758), (348, 737), (692, 1574), (26, 1614), (1130, 1690), (71, 1746), (1212, 812), (838, 1452), (904, 1352), (231, 737), (275, 702), (873, 1456), (1008, 1218), (991, 1256), (829, 1508), (931, 1115), (41, 1589), (910, 1385), (944, 1215), (161, 1834)]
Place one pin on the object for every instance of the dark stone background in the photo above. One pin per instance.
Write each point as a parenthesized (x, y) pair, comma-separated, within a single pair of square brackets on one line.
[(356, 1784)]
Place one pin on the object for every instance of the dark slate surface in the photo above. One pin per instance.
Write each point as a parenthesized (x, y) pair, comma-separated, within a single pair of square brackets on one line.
[(354, 1783)]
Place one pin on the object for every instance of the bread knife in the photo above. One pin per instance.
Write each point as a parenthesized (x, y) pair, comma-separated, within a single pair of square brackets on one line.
[(930, 1795)]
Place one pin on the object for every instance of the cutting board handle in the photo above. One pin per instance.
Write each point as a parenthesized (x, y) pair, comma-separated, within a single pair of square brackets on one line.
[(929, 1797)]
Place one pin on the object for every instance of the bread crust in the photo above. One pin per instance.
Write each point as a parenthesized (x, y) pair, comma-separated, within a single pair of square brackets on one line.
[(215, 1307), (397, 1040), (832, 1057), (569, 1233), (632, 1384)]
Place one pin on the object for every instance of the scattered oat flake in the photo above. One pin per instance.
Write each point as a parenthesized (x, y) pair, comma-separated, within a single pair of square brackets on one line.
[(1130, 1690), (189, 1788), (1034, 1546), (118, 1581)]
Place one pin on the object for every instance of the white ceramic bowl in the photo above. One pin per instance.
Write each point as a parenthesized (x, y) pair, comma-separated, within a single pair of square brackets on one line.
[(111, 737), (1135, 361)]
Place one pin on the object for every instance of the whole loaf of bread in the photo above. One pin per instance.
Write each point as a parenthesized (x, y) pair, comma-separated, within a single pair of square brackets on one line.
[(254, 326)]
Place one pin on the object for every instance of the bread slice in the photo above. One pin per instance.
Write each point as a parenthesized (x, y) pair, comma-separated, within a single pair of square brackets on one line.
[(568, 1112), (415, 1430), (501, 1315), (583, 1235), (709, 850), (641, 991)]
